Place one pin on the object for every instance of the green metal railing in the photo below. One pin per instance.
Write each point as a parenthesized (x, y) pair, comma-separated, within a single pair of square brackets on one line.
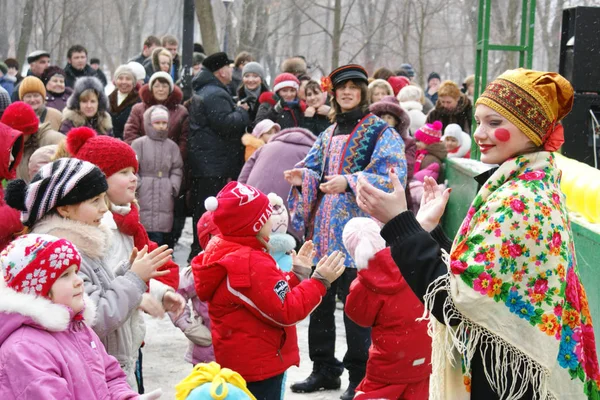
[(524, 48)]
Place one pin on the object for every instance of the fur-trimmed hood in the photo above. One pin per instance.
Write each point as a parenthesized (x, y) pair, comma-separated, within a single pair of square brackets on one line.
[(18, 309), (81, 85), (154, 57), (172, 101), (393, 108), (103, 125), (91, 241)]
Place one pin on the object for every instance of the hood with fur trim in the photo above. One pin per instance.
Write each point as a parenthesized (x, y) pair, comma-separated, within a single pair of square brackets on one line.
[(19, 309), (91, 241), (104, 120), (154, 57), (394, 109), (11, 141), (171, 102), (83, 84)]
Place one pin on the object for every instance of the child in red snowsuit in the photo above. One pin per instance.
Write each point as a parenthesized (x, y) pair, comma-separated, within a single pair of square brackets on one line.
[(253, 305), (400, 353)]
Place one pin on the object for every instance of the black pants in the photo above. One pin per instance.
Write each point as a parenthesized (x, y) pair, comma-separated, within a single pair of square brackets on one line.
[(321, 335), (161, 238), (268, 389), (201, 189), (179, 215)]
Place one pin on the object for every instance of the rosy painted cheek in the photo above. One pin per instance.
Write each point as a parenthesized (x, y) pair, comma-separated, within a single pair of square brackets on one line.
[(503, 135)]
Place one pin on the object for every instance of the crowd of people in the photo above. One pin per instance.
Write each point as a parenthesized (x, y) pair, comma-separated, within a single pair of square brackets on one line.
[(301, 194)]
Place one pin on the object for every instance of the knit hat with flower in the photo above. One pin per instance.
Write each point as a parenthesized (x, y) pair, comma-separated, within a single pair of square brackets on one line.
[(32, 263), (239, 210), (20, 116), (430, 133), (285, 80), (110, 154)]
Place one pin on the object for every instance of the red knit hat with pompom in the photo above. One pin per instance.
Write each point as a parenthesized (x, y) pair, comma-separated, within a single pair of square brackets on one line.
[(430, 133), (20, 116), (109, 154)]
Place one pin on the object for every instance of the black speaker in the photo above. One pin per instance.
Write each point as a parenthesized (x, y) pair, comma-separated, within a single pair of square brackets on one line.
[(580, 48), (581, 131)]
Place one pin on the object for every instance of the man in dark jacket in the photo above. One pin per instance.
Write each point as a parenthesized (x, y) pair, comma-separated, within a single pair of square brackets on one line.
[(78, 66), (215, 153), (38, 61), (150, 44)]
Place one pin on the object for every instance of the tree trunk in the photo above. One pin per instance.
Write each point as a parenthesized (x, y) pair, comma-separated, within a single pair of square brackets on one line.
[(259, 42), (337, 34), (246, 25), (297, 23), (208, 28), (4, 29), (26, 29)]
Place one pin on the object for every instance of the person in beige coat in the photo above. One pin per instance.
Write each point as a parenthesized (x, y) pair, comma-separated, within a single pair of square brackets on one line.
[(33, 92)]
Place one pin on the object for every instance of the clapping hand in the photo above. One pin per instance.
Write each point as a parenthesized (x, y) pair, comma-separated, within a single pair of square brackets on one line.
[(293, 176), (379, 204), (433, 204), (173, 303)]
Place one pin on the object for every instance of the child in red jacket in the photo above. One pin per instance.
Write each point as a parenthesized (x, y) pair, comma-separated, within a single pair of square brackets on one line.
[(400, 353), (253, 305)]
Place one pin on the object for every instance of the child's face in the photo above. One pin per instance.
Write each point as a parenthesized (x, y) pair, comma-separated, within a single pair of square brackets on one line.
[(421, 145), (88, 212), (390, 119), (68, 290), (160, 125), (265, 137), (121, 186), (265, 231), (451, 143)]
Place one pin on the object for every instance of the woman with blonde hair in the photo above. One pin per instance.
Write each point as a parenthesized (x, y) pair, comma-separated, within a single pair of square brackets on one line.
[(452, 107), (378, 89)]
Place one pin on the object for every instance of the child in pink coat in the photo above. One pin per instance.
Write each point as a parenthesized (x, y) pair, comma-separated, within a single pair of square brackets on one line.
[(47, 349)]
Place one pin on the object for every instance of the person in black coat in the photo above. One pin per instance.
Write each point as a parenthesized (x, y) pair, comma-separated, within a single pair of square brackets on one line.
[(252, 87), (78, 67), (122, 99), (283, 106), (316, 115), (215, 152)]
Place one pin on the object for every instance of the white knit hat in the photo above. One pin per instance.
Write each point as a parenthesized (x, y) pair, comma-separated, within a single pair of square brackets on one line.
[(161, 74), (138, 69), (362, 240), (124, 69)]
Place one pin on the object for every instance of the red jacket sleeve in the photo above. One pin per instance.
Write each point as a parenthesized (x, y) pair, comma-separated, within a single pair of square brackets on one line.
[(172, 278), (10, 223), (269, 295), (362, 304)]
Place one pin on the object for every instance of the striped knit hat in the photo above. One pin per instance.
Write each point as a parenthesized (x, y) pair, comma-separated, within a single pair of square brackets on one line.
[(64, 182)]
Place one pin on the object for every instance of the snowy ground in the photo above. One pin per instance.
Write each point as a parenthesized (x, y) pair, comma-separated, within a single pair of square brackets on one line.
[(164, 366)]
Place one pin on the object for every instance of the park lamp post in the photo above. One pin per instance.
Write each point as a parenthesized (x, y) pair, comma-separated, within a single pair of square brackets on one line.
[(227, 4)]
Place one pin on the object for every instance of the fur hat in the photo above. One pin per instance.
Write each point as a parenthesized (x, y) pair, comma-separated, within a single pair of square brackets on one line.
[(430, 133), (264, 126), (390, 105), (362, 239), (216, 61), (64, 182), (50, 72), (124, 70), (294, 65), (32, 263), (163, 75), (206, 228), (285, 80), (110, 154), (20, 116), (81, 85), (13, 139), (138, 70), (279, 217), (463, 139), (239, 210), (398, 82), (32, 84), (254, 68)]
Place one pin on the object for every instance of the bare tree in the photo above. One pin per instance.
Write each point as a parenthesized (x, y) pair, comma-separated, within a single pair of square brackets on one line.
[(26, 29), (208, 28)]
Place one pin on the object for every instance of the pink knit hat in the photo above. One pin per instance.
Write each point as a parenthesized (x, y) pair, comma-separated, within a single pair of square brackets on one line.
[(362, 240), (430, 133)]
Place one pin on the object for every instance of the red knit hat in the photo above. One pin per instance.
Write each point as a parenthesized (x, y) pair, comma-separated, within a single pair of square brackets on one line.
[(109, 154), (205, 228), (20, 116), (398, 82), (285, 80), (239, 210), (430, 133)]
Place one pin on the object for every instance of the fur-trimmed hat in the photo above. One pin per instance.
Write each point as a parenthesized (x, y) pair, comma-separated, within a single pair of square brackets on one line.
[(430, 133), (285, 80), (32, 84), (64, 182), (20, 116), (110, 154), (81, 85), (239, 209), (294, 65), (390, 105), (32, 263), (362, 239)]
